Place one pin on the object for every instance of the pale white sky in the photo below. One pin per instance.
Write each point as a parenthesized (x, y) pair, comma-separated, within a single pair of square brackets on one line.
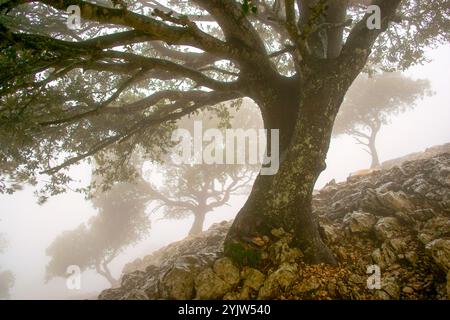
[(30, 228)]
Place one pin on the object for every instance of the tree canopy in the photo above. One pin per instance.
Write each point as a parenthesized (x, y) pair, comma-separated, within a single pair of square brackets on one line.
[(133, 68), (64, 92), (372, 102), (121, 221), (196, 189)]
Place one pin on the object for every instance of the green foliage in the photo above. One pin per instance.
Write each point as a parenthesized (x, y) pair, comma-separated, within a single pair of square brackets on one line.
[(418, 27), (53, 95), (242, 254), (248, 6)]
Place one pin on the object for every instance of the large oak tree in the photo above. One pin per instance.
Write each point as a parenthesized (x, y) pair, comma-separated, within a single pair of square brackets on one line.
[(62, 91)]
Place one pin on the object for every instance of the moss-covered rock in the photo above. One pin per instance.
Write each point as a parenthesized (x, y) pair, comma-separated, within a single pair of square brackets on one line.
[(253, 278), (278, 281), (227, 271), (208, 285)]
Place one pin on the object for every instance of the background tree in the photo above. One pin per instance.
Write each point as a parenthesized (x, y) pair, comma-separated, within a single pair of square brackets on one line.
[(61, 95), (371, 102), (197, 189), (3, 242), (120, 222), (6, 283), (122, 219), (7, 279)]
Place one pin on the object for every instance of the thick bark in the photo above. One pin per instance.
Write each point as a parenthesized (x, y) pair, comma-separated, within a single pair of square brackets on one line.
[(305, 117), (197, 225), (284, 200), (336, 14)]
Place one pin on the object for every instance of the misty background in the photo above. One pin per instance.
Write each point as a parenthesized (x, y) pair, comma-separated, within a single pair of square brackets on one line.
[(29, 228)]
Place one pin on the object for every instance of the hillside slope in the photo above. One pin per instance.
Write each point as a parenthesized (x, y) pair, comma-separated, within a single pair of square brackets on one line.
[(397, 219)]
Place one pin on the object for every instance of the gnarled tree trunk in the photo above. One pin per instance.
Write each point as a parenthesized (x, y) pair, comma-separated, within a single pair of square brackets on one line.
[(284, 200), (304, 109), (372, 147), (197, 225), (374, 154)]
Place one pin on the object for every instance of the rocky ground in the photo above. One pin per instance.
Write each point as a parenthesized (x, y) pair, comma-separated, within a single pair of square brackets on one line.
[(397, 219), (427, 153)]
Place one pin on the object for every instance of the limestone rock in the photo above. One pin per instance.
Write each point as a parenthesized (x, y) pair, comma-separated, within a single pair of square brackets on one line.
[(131, 280), (387, 228), (399, 245), (384, 256), (330, 233), (389, 289), (423, 214), (227, 271), (208, 285), (435, 228), (278, 281), (306, 285), (408, 290), (397, 201), (281, 252), (360, 222), (178, 284), (232, 296), (253, 278), (439, 249)]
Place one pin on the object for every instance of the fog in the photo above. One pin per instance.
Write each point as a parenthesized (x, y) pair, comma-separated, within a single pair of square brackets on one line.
[(29, 227)]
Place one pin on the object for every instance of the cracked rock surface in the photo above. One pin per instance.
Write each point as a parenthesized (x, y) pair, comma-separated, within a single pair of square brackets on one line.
[(397, 218)]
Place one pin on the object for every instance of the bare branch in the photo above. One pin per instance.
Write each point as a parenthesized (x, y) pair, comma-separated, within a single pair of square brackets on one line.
[(146, 123), (359, 43), (187, 34), (174, 69), (191, 59), (157, 195), (104, 104)]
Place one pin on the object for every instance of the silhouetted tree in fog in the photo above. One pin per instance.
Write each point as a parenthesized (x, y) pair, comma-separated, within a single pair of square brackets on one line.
[(371, 102), (199, 189), (196, 189), (6, 283), (121, 221), (6, 277)]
